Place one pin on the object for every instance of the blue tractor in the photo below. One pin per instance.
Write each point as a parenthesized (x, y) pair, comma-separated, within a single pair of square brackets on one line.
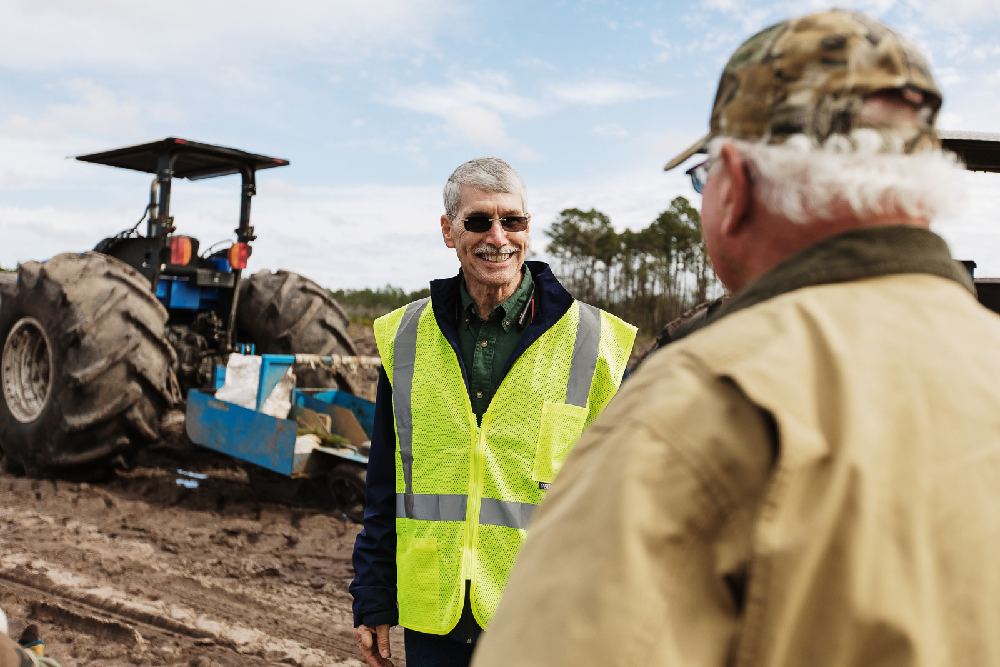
[(98, 346)]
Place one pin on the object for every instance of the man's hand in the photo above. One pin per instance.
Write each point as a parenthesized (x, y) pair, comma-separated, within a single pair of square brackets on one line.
[(379, 657)]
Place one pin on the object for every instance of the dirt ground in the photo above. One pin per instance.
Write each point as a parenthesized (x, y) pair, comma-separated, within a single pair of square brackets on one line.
[(143, 570)]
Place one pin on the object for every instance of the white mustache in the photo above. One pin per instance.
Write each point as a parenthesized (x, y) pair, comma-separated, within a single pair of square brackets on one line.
[(490, 249), (491, 253)]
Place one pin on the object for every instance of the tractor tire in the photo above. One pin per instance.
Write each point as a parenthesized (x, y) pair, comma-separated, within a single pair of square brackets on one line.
[(347, 487), (85, 366), (286, 313)]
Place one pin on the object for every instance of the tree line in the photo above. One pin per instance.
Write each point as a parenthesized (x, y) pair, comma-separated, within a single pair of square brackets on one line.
[(364, 305), (646, 277)]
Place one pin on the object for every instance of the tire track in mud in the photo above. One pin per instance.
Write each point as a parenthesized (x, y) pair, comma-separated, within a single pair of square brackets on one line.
[(142, 642), (24, 578), (192, 568), (80, 608)]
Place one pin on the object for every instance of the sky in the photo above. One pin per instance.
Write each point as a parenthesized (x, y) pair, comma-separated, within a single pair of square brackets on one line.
[(375, 103)]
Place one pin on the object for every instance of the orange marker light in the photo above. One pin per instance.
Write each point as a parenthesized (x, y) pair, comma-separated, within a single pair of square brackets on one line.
[(238, 255), (180, 250)]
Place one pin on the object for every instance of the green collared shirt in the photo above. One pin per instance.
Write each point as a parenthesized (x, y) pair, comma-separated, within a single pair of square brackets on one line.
[(487, 344)]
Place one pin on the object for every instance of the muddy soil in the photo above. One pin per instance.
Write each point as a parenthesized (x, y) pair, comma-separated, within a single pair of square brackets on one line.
[(142, 570), (180, 561)]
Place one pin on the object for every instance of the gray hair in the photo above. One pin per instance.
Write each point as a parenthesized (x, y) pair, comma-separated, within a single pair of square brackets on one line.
[(802, 181), (486, 173)]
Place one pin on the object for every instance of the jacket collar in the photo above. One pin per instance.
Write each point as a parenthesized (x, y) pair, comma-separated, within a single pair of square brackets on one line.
[(551, 303), (869, 252)]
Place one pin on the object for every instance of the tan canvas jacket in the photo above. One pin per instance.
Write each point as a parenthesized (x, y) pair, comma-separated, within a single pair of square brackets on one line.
[(813, 479)]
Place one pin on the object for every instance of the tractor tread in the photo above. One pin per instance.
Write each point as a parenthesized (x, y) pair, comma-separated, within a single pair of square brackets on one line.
[(90, 373), (300, 325), (115, 297), (112, 366), (170, 391), (286, 313), (124, 401), (153, 332), (139, 285), (138, 422)]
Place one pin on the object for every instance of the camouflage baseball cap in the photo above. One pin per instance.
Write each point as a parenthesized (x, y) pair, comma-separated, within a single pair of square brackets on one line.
[(811, 75)]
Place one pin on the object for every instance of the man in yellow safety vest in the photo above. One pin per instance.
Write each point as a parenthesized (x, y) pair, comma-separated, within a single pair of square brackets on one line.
[(485, 387)]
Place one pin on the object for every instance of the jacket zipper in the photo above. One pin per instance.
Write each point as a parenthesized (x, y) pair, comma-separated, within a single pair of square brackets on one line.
[(472, 527)]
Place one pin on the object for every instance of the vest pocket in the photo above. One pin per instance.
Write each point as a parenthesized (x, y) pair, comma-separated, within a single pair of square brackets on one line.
[(561, 426), (419, 574)]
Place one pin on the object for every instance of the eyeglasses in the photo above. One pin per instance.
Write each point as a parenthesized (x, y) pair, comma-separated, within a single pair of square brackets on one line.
[(699, 174), (482, 223)]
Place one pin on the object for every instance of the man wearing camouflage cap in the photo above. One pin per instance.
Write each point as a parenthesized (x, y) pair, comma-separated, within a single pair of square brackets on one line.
[(813, 476)]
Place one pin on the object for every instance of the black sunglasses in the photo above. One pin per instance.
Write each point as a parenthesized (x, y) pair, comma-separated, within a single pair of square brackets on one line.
[(482, 223)]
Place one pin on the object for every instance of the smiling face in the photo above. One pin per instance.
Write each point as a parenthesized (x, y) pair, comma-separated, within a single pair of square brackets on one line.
[(491, 259)]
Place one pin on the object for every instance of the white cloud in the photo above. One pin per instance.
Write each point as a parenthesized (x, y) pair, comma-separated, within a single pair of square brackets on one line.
[(631, 199), (373, 235), (536, 63), (411, 149), (473, 108), (950, 121), (94, 110), (477, 125), (354, 237), (340, 237), (975, 235), (34, 146), (605, 92), (956, 11), (40, 233), (949, 76), (666, 47), (750, 18), (485, 89), (139, 36), (754, 15), (527, 154), (611, 130)]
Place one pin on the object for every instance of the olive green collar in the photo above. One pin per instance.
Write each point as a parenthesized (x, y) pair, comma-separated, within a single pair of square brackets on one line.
[(509, 309), (869, 252)]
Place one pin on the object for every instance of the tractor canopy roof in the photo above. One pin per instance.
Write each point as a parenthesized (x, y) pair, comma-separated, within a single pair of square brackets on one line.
[(980, 151), (191, 159)]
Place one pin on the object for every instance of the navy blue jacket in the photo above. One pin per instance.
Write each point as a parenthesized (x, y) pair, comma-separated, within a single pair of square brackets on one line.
[(374, 585)]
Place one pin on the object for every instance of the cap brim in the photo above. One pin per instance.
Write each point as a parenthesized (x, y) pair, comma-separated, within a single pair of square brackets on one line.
[(700, 146)]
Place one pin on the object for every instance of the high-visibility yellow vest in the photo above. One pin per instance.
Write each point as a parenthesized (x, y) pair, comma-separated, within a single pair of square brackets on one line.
[(465, 493)]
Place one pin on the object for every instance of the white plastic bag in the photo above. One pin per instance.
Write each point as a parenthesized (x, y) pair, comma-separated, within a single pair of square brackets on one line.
[(279, 402), (242, 378), (306, 443)]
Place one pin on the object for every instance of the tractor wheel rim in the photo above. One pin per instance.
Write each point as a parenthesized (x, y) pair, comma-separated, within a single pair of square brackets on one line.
[(27, 370)]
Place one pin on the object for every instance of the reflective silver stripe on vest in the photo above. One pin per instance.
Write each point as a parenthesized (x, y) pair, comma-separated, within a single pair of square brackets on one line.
[(431, 506), (585, 351), (506, 513), (404, 356)]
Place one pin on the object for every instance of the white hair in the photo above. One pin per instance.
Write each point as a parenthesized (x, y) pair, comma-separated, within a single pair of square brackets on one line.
[(486, 173), (802, 181)]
